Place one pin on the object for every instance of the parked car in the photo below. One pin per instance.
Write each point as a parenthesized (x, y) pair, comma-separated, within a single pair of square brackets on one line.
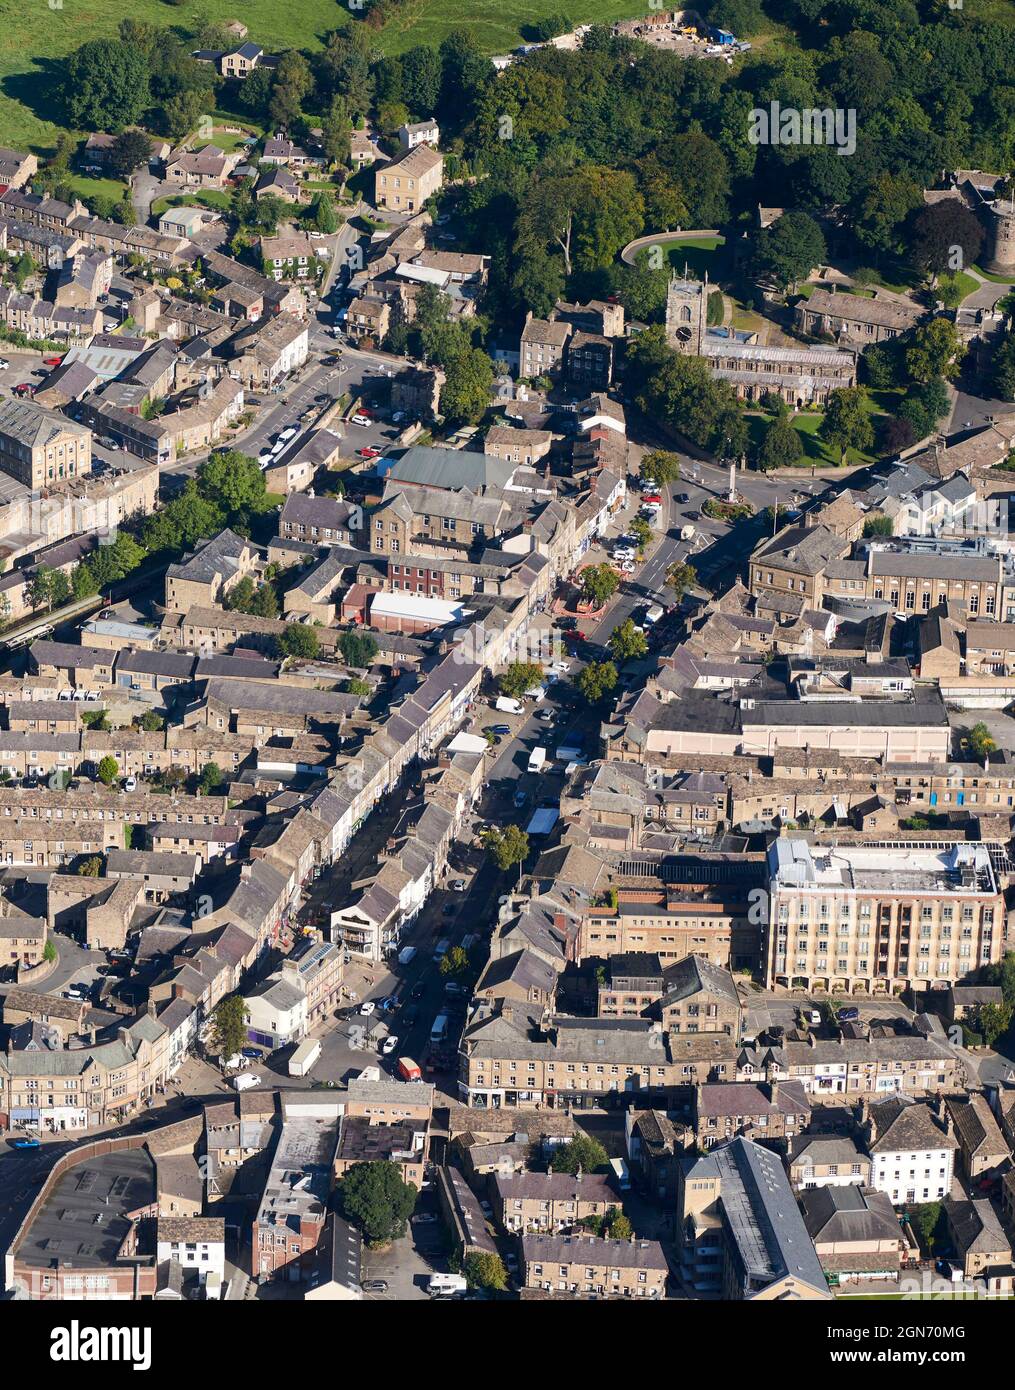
[(25, 1144), (374, 1285), (458, 885), (254, 1053), (360, 419), (389, 1045), (130, 784), (367, 1007), (4, 364)]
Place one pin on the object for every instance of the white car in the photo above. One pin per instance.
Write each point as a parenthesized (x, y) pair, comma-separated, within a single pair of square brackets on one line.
[(624, 554), (361, 420), (562, 667), (130, 784), (389, 1045), (628, 567), (4, 364), (367, 1007)]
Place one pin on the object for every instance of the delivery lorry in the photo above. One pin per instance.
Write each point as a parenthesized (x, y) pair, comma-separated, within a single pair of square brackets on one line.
[(537, 759), (439, 1031), (506, 705), (408, 1070), (245, 1081), (302, 1061)]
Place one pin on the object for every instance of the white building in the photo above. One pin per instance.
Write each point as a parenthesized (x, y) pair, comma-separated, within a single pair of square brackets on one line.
[(198, 1245), (912, 1151), (276, 1014)]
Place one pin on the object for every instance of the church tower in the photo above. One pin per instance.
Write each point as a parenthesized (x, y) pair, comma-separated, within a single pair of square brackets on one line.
[(686, 315)]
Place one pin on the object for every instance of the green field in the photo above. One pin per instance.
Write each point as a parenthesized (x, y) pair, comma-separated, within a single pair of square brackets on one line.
[(35, 37)]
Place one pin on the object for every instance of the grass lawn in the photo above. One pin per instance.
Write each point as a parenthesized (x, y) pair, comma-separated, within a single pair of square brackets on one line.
[(202, 197), (816, 451), (698, 254), (36, 37), (224, 139), (996, 279), (88, 186), (965, 284)]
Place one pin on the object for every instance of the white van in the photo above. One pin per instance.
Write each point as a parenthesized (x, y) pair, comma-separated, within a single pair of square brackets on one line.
[(447, 1283)]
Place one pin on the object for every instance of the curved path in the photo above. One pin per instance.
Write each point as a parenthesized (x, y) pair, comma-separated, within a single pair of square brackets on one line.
[(630, 251)]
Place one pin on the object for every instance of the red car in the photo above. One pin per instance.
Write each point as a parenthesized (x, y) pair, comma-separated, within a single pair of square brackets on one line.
[(368, 453), (651, 497), (51, 361)]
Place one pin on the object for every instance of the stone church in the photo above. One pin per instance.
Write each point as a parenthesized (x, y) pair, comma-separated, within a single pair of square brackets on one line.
[(802, 376)]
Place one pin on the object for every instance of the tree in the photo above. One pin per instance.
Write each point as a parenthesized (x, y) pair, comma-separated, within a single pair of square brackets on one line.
[(506, 847), (790, 249), (641, 530), (301, 642), (879, 219), (945, 236), (374, 1197), (935, 351), (598, 584), (617, 1226), (455, 961), (485, 1270), (992, 1021), (549, 27), (232, 481), (878, 525), (292, 85), (90, 867), (108, 770), (781, 445), (357, 648), (106, 86), (980, 742), (150, 722), (580, 1154), (627, 642), (212, 777), (465, 394), (596, 680), (130, 149), (229, 1026), (681, 577), (49, 952), (895, 433), (355, 686), (519, 677), (846, 424), (1002, 369), (40, 589), (323, 213), (923, 405), (24, 267), (661, 467), (928, 1221)]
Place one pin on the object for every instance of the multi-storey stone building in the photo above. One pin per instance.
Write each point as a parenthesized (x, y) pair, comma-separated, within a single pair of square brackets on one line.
[(882, 918)]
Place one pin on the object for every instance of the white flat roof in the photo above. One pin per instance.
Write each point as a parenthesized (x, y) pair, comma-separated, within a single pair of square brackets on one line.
[(423, 272), (405, 605)]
